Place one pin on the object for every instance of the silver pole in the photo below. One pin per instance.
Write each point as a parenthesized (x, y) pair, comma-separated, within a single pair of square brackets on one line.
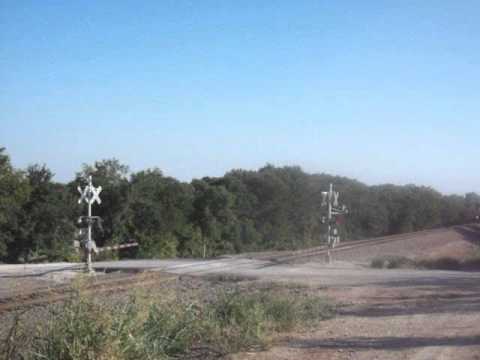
[(89, 239), (90, 195), (329, 220), (330, 198)]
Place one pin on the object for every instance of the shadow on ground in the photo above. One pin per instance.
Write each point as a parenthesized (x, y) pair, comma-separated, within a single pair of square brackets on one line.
[(40, 273), (470, 233), (428, 296), (385, 343), (417, 305)]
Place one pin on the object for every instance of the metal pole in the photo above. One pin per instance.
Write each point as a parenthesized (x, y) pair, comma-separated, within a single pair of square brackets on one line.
[(90, 195), (89, 239), (330, 198), (329, 219)]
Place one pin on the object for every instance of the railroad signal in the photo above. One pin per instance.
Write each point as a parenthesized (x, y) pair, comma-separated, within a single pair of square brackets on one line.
[(334, 217), (90, 194)]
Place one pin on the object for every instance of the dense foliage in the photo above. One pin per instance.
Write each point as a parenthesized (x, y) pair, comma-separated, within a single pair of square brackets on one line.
[(272, 208)]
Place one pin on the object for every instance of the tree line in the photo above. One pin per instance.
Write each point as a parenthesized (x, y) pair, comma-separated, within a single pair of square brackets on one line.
[(242, 211)]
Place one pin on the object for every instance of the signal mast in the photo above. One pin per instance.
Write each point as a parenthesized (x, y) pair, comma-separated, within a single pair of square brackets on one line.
[(330, 199), (90, 194)]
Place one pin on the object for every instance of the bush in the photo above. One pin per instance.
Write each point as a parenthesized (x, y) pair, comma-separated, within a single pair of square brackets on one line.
[(473, 261), (170, 332), (80, 329), (237, 321), (157, 246), (287, 311), (86, 327), (472, 264), (392, 262), (281, 312), (377, 263), (444, 263)]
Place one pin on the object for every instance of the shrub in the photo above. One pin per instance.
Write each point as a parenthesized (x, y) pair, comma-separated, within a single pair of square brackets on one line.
[(87, 327), (472, 262), (170, 331), (444, 263), (392, 262), (281, 312), (377, 263), (288, 311), (79, 329), (236, 321)]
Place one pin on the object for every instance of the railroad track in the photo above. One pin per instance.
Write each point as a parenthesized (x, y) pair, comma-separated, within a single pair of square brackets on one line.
[(124, 282), (313, 252), (48, 295)]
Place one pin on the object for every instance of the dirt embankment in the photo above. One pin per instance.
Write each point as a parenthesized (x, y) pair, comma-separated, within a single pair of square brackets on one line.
[(457, 242)]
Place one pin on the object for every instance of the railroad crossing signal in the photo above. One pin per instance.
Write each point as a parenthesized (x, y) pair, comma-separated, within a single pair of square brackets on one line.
[(90, 194), (330, 199)]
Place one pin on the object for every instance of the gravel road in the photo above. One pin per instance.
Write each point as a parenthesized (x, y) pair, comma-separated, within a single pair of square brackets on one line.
[(427, 316)]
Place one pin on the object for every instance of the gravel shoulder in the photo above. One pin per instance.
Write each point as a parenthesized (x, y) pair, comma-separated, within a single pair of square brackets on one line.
[(418, 319)]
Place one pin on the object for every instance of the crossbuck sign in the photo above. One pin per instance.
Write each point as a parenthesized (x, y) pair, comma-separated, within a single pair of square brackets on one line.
[(90, 194)]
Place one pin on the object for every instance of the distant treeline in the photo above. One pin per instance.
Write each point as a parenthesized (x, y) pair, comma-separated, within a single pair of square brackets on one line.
[(271, 208)]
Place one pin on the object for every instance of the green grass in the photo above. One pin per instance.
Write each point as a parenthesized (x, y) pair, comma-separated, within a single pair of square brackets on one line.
[(470, 263), (392, 262), (88, 327)]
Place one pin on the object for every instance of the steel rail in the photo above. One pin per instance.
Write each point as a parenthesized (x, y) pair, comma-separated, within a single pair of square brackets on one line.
[(44, 297)]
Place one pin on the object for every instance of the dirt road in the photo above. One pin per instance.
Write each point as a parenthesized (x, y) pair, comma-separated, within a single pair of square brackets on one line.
[(418, 319)]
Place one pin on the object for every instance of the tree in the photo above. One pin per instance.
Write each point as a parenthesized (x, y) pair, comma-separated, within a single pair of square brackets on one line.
[(157, 212), (271, 208), (472, 205), (14, 193), (213, 215), (454, 210), (47, 217)]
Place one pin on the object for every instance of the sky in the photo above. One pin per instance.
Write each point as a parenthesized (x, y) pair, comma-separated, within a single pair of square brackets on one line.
[(379, 91)]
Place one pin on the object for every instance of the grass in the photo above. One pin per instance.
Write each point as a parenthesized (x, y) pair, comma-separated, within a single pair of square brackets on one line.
[(89, 327), (392, 262), (470, 263)]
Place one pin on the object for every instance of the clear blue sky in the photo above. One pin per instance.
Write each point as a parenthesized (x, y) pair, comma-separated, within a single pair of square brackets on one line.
[(381, 91)]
